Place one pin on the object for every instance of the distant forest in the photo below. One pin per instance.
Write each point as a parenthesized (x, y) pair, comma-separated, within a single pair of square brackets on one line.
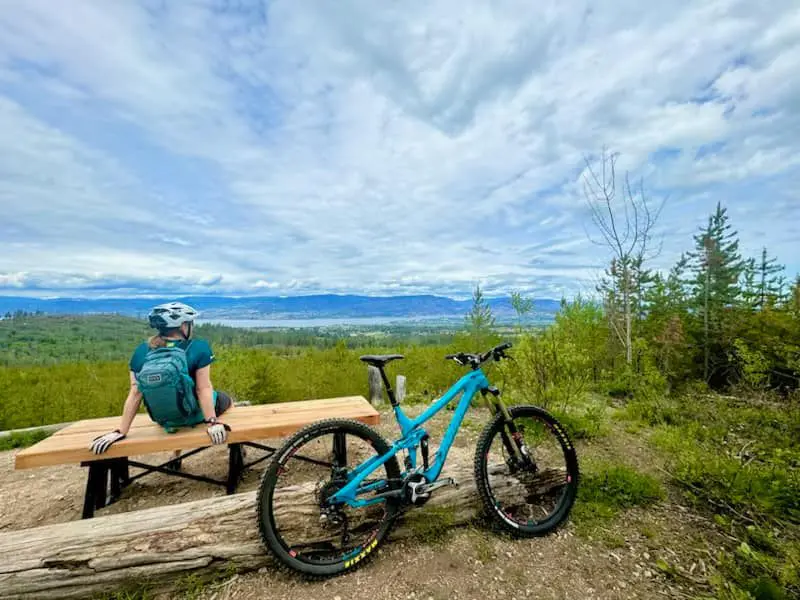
[(37, 338)]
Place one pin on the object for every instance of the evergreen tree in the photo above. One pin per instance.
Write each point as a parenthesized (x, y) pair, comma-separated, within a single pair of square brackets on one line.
[(794, 300), (480, 319), (624, 290), (770, 281), (750, 287), (663, 327), (665, 296), (717, 267)]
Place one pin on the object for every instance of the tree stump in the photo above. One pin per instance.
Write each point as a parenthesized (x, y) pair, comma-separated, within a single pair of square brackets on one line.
[(400, 388), (375, 386)]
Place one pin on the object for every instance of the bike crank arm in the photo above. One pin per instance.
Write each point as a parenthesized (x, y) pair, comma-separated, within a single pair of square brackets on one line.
[(427, 488)]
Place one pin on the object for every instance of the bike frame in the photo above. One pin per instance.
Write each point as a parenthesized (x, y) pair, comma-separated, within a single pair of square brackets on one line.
[(412, 435)]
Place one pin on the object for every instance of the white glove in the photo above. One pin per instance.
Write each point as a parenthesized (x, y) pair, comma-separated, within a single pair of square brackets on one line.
[(218, 432), (102, 443)]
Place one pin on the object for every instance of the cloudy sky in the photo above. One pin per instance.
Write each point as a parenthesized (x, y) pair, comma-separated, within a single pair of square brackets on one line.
[(289, 147)]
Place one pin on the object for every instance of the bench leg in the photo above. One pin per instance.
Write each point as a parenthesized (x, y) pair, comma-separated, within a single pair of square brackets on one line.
[(120, 475), (235, 466), (96, 488)]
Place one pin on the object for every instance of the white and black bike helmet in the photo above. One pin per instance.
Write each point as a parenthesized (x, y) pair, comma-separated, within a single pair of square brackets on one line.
[(171, 315)]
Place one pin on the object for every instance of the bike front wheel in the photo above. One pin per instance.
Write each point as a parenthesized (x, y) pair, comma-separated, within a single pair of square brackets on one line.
[(526, 471), (298, 524)]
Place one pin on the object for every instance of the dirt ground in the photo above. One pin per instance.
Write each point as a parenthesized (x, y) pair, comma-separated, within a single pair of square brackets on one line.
[(467, 563), (473, 564)]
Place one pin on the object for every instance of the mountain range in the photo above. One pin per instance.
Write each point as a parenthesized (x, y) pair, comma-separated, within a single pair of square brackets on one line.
[(274, 307)]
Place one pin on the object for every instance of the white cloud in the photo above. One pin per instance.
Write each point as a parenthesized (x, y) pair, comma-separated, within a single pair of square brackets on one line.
[(364, 146)]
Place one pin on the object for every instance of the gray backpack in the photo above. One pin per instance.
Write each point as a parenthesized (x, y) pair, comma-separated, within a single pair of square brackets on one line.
[(168, 389)]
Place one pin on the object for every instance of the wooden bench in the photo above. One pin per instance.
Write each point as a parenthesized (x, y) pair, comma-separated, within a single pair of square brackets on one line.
[(109, 472)]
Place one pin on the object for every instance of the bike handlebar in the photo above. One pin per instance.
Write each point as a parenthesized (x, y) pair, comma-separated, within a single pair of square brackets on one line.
[(476, 360)]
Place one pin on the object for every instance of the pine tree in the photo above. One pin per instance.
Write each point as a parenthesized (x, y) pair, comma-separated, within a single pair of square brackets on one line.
[(665, 297), (750, 287), (666, 307), (794, 299), (770, 281), (480, 319), (717, 267), (676, 292), (624, 289)]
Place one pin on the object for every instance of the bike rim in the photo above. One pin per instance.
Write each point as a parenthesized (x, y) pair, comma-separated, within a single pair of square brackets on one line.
[(308, 473), (529, 494)]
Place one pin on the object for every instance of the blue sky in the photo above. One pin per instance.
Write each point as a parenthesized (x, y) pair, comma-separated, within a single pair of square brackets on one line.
[(380, 147)]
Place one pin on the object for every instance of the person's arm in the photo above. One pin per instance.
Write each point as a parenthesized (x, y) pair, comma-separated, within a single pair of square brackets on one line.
[(103, 442), (131, 407), (205, 391), (217, 430)]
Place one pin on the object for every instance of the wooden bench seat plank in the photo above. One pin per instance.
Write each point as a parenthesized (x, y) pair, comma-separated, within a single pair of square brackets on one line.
[(243, 419), (248, 423), (104, 424)]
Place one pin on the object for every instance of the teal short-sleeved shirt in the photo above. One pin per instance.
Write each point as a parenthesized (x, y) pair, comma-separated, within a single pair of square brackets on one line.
[(198, 354)]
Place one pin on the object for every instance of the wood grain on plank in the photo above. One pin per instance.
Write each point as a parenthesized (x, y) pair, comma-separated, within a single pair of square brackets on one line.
[(247, 423)]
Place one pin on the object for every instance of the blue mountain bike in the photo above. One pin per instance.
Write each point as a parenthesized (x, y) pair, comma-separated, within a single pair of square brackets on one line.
[(334, 489)]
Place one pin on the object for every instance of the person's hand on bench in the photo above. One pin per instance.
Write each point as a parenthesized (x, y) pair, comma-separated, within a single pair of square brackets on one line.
[(103, 442), (217, 431)]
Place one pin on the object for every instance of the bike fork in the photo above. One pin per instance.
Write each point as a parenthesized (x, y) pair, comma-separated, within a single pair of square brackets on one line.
[(512, 438)]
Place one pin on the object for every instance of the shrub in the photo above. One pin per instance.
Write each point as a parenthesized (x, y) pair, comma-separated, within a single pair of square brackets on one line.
[(73, 391), (741, 461), (655, 411), (584, 424)]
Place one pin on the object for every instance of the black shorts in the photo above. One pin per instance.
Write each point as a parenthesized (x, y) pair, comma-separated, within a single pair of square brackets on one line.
[(224, 402)]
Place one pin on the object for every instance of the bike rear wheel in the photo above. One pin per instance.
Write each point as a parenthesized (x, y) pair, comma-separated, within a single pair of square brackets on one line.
[(526, 471), (301, 529)]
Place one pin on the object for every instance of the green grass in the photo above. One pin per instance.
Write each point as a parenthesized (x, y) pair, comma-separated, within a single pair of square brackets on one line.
[(658, 411), (584, 422), (741, 461), (648, 531), (432, 524), (133, 592), (484, 550), (606, 489), (22, 439), (191, 586), (737, 475)]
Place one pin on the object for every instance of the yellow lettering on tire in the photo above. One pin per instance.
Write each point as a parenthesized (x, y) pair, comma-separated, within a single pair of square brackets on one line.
[(366, 551)]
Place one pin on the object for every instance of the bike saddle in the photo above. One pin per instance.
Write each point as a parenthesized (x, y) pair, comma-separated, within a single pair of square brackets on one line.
[(378, 360)]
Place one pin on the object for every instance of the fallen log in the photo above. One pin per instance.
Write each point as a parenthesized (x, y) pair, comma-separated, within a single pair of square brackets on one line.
[(45, 428), (157, 546)]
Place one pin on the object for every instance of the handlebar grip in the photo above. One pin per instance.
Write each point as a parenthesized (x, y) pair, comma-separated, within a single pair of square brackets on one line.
[(504, 346)]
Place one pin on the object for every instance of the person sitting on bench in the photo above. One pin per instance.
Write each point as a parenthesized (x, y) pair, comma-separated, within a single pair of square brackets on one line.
[(171, 372)]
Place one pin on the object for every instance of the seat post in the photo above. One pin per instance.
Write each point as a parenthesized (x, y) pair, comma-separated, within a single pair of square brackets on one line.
[(389, 390)]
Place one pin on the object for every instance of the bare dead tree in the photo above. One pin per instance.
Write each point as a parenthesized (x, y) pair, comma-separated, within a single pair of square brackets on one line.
[(625, 217)]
